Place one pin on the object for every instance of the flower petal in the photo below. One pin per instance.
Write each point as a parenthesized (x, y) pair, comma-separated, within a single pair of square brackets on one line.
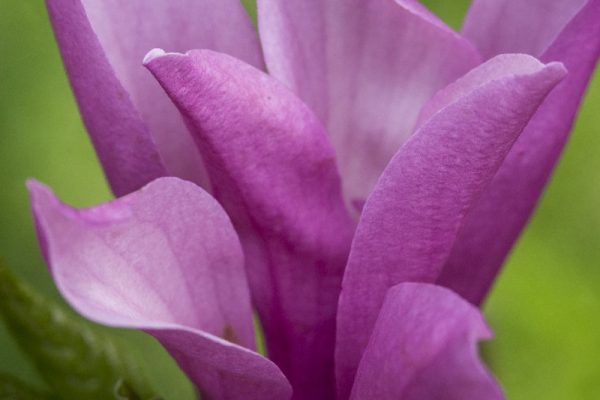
[(493, 226), (424, 346), (517, 26), (274, 171), (411, 219), (366, 68), (102, 44), (166, 260)]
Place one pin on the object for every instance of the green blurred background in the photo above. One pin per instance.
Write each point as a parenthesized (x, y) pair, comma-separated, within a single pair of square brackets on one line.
[(545, 308)]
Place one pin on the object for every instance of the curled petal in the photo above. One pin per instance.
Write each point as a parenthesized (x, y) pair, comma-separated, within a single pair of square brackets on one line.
[(138, 134), (411, 219), (517, 26), (164, 259), (366, 68), (274, 171), (424, 346), (493, 226)]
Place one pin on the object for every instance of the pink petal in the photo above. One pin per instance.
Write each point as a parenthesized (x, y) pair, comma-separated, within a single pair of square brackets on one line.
[(274, 171), (424, 346), (167, 260), (517, 26), (366, 68), (411, 219), (102, 43), (492, 228)]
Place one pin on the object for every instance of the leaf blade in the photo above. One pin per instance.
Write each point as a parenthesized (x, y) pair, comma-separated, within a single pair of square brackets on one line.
[(74, 360)]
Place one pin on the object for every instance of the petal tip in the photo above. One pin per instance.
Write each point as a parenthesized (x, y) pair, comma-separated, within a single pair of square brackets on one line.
[(158, 53), (152, 54), (34, 185), (38, 193), (558, 68), (553, 73)]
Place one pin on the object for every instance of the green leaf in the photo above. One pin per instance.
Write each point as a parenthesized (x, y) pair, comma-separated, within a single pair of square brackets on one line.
[(13, 389), (125, 392), (75, 362)]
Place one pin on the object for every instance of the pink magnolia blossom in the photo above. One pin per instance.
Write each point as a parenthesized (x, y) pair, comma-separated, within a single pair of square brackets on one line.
[(362, 196)]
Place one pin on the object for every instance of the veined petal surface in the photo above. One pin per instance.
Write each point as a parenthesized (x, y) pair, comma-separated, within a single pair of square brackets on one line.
[(165, 259), (137, 132), (424, 346), (410, 221), (365, 68), (493, 226), (274, 171), (517, 26)]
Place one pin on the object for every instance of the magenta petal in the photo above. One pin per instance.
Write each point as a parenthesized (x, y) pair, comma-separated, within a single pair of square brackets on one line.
[(424, 347), (517, 26), (411, 219), (274, 171), (125, 111), (494, 225), (366, 68), (121, 138), (165, 259)]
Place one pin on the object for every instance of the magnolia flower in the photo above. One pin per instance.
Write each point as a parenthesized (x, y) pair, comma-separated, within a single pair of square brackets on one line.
[(362, 196)]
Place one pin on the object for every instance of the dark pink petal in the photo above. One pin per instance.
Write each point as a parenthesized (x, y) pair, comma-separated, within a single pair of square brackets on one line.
[(517, 26), (274, 171), (493, 226), (411, 219), (424, 347), (165, 259), (366, 68), (103, 42)]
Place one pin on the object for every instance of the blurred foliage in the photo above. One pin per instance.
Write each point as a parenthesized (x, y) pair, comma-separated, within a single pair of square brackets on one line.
[(12, 388), (74, 361), (545, 309)]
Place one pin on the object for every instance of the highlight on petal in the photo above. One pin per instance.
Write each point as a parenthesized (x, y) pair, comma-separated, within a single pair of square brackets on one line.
[(424, 346), (412, 218), (167, 260), (274, 171), (493, 226), (517, 26), (366, 68), (137, 132)]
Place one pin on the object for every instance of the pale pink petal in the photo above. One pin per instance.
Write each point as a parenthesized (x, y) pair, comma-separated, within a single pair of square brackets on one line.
[(517, 26), (424, 347), (274, 171), (411, 219), (492, 228), (103, 43), (366, 68), (165, 259)]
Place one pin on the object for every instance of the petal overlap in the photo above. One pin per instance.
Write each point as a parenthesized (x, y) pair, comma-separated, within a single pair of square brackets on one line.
[(411, 220), (366, 68), (424, 346), (138, 134), (165, 259), (493, 226), (274, 171)]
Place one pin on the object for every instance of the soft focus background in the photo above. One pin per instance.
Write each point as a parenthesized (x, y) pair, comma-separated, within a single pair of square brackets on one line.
[(545, 309)]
